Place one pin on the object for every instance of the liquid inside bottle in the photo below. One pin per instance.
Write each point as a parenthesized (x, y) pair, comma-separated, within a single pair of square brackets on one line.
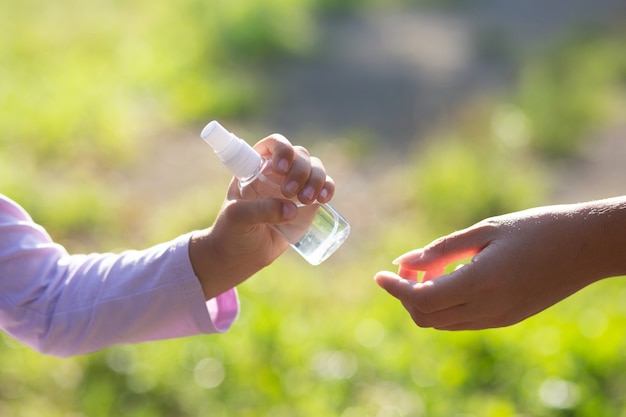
[(318, 229)]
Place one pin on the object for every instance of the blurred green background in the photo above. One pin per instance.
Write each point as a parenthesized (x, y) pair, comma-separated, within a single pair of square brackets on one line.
[(430, 115)]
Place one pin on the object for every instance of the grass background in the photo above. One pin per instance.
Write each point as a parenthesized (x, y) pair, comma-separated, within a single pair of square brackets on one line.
[(100, 106)]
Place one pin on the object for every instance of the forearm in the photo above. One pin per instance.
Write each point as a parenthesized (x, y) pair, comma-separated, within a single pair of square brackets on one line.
[(603, 223), (573, 245)]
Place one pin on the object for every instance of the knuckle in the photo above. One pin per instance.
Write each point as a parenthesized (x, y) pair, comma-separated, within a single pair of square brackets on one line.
[(279, 138), (301, 150), (488, 226), (316, 162)]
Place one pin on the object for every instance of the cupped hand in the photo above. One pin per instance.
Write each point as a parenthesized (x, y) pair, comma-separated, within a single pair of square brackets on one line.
[(521, 264)]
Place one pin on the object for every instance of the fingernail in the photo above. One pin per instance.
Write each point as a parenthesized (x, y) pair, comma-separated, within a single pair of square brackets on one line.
[(324, 194), (282, 166), (289, 211), (308, 192), (291, 187)]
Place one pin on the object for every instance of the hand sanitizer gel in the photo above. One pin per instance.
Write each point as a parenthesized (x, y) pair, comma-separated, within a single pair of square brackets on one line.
[(318, 229)]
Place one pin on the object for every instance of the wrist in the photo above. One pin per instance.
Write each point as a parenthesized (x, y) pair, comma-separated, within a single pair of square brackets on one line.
[(603, 227), (218, 269), (205, 263)]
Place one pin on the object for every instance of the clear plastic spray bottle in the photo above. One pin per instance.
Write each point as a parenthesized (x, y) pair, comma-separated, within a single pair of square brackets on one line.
[(318, 229)]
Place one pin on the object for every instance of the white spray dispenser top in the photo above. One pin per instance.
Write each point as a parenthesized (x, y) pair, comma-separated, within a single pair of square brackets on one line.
[(238, 156)]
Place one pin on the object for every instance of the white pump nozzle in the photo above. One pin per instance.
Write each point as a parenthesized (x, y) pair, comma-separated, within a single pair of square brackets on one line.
[(238, 156)]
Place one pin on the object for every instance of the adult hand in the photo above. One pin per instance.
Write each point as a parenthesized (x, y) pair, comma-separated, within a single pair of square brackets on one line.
[(521, 264), (241, 241)]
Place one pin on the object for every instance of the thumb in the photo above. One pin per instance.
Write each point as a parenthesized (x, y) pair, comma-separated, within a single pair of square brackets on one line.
[(395, 285)]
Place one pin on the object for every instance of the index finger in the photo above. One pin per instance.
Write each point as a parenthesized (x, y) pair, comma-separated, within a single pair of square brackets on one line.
[(280, 149), (445, 250)]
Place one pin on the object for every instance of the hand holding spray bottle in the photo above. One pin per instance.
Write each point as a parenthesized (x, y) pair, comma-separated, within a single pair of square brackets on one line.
[(318, 229)]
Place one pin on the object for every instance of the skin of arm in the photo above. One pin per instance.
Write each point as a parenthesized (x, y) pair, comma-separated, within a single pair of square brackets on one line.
[(522, 263), (241, 241)]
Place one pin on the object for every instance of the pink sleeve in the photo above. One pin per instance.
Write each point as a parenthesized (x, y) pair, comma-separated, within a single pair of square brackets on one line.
[(63, 304)]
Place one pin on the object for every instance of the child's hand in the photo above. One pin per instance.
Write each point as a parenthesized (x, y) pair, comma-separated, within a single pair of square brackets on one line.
[(241, 241)]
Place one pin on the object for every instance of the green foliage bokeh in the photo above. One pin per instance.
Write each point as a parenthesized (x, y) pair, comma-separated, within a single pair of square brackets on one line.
[(83, 84)]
